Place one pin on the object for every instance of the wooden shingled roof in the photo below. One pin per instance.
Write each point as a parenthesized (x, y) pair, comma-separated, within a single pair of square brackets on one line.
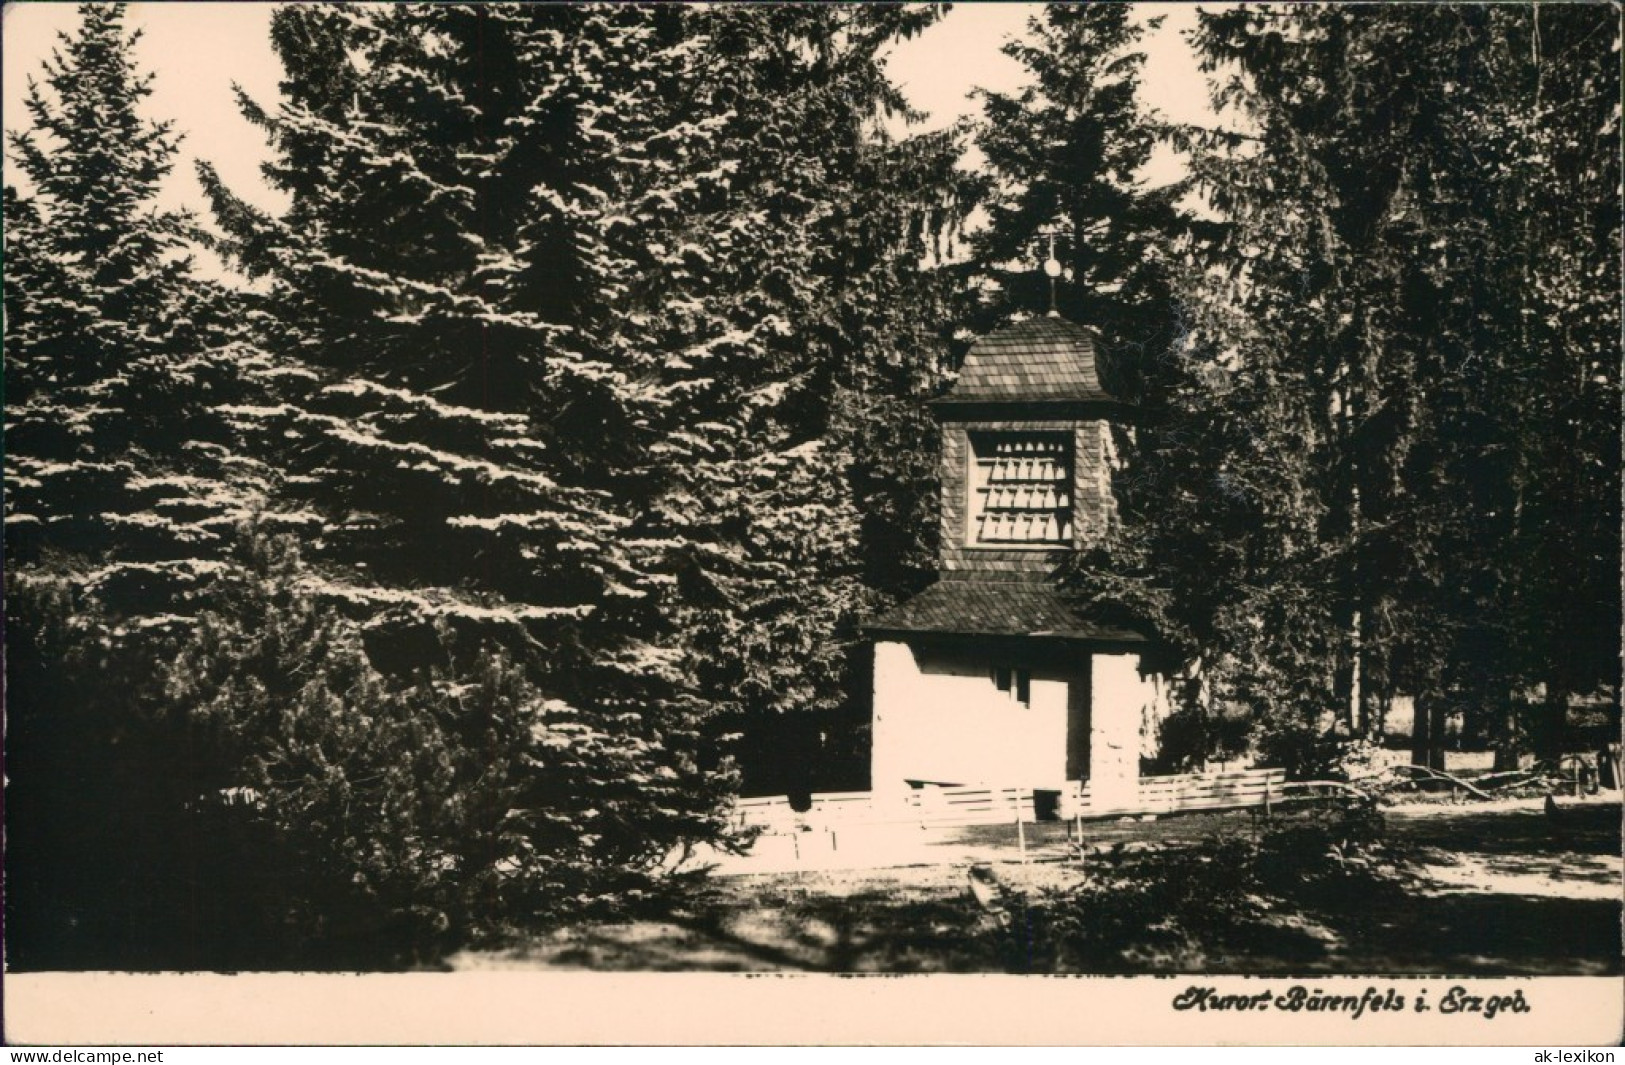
[(1047, 358), (996, 608)]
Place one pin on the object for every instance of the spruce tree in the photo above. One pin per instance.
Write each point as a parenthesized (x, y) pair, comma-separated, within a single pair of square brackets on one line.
[(118, 464), (1376, 305), (1066, 152), (125, 484), (560, 401), (481, 199), (821, 336)]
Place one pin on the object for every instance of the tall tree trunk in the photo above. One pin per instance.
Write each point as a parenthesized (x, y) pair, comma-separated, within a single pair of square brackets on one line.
[(1428, 730), (1421, 728), (1350, 410), (1356, 716), (1551, 729), (1376, 687), (1508, 734), (1379, 701), (1437, 712)]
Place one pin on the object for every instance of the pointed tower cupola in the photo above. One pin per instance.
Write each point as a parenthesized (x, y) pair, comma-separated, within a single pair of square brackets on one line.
[(1027, 451)]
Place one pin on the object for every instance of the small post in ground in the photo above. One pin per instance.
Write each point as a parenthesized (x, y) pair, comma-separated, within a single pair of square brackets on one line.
[(1021, 829)]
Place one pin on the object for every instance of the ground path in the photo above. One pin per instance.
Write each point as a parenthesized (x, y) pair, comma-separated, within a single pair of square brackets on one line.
[(1503, 888)]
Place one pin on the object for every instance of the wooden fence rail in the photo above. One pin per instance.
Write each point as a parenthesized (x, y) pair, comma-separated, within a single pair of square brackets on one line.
[(942, 807)]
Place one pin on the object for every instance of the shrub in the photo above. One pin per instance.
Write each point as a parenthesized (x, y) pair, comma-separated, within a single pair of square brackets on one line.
[(1308, 752), (111, 862), (1327, 854), (456, 807), (1161, 911), (1179, 909), (255, 794), (1192, 735)]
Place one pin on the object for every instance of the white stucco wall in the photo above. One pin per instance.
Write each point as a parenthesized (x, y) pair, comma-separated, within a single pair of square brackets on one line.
[(1120, 701), (939, 717)]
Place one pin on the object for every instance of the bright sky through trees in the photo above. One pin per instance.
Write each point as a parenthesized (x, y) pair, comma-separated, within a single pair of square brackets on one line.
[(198, 50)]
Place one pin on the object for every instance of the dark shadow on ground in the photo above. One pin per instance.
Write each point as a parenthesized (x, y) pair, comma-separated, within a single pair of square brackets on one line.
[(1593, 829), (1545, 918), (773, 925), (870, 930), (1484, 934)]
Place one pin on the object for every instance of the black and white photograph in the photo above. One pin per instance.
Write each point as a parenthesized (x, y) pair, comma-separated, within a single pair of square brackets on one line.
[(1106, 490)]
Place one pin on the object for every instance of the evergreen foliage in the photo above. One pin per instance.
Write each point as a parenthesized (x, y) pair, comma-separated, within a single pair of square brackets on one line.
[(480, 198), (566, 400), (116, 464), (567, 354), (1393, 364), (124, 486), (802, 509), (1066, 153), (1398, 369), (409, 817), (588, 366)]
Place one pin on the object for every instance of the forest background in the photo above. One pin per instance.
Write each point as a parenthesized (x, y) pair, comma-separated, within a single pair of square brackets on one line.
[(424, 539)]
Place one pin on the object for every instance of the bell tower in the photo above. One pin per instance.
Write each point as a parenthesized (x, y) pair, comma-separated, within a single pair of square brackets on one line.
[(990, 676)]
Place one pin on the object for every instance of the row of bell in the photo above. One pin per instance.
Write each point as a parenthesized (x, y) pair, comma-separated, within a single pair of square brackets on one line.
[(1028, 468), (1027, 447), (1027, 497), (1031, 527)]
